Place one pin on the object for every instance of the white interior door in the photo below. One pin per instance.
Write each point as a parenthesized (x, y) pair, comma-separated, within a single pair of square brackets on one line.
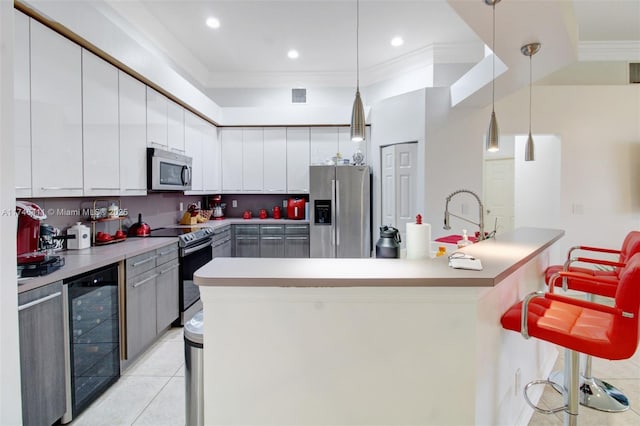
[(399, 185), (499, 194)]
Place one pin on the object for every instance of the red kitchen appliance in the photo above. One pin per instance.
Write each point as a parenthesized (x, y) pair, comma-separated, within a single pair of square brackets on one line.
[(295, 208), (262, 214), (29, 217), (30, 261)]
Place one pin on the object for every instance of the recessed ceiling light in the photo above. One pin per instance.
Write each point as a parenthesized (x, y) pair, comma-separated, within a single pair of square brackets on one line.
[(397, 41), (213, 22), (293, 54)]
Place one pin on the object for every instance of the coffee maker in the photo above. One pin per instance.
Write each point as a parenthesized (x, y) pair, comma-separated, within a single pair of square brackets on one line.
[(31, 261)]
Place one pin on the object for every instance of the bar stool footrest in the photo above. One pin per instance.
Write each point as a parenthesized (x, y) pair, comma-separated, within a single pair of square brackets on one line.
[(542, 410)]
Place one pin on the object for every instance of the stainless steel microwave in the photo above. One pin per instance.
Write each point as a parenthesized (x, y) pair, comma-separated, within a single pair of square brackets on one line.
[(168, 171)]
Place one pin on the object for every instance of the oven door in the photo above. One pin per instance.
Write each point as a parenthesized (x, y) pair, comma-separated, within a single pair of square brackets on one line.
[(191, 259)]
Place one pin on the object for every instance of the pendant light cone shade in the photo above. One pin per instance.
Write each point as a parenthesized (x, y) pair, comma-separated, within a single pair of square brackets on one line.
[(493, 134), (529, 149), (530, 50), (357, 112), (357, 119)]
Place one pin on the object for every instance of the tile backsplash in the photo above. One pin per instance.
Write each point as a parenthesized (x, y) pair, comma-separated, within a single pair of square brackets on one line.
[(158, 209)]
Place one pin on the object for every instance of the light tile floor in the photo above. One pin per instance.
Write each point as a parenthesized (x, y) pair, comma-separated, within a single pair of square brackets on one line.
[(151, 392)]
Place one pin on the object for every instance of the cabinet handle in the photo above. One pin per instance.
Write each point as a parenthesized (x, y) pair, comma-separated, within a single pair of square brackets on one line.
[(240, 237), (57, 188), (105, 189), (23, 187), (270, 238), (271, 227), (296, 226), (39, 301), (142, 262), (135, 189), (162, 253), (281, 191), (298, 191), (164, 271), (145, 280), (181, 151), (297, 238)]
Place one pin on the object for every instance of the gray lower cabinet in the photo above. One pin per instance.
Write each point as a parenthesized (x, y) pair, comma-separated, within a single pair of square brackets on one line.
[(41, 328), (246, 241), (271, 240), (151, 296), (296, 241), (167, 309)]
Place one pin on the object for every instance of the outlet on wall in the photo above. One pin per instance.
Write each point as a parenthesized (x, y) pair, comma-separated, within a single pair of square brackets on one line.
[(284, 203), (234, 203), (518, 383), (181, 206)]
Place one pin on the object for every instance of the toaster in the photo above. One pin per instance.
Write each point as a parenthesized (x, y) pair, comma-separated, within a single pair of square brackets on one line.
[(296, 208)]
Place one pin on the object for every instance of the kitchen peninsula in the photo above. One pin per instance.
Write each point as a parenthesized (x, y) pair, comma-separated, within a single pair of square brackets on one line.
[(372, 341)]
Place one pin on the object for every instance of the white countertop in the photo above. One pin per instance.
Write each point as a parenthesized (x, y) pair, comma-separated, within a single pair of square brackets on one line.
[(80, 261), (500, 256), (239, 221)]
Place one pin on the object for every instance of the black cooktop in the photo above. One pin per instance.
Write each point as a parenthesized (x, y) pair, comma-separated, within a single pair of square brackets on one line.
[(170, 232), (188, 236)]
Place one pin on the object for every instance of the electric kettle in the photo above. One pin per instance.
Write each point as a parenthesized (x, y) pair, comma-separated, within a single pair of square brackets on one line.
[(388, 245)]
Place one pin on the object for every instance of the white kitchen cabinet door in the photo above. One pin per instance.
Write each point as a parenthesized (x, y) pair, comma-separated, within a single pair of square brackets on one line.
[(275, 160), (175, 127), (193, 148), (133, 135), (157, 119), (56, 114), (347, 147), (231, 153), (211, 159), (22, 105), (298, 160), (100, 133), (252, 160), (324, 144)]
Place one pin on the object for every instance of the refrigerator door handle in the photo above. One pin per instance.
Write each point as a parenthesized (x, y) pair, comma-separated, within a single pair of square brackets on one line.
[(333, 218), (337, 214)]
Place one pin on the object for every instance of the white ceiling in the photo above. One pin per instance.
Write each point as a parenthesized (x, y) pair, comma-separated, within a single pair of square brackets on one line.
[(249, 49)]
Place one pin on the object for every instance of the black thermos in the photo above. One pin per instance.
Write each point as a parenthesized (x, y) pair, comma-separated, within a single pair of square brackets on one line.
[(388, 245)]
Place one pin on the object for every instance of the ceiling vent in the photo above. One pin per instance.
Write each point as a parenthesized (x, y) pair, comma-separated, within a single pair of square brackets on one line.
[(299, 96), (634, 73)]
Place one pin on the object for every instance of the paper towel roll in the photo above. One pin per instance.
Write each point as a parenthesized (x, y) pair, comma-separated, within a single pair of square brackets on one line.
[(418, 241)]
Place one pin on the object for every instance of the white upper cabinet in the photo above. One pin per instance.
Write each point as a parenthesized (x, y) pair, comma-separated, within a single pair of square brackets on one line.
[(157, 119), (298, 160), (231, 153), (211, 179), (324, 144), (193, 148), (22, 105), (175, 127), (347, 147), (56, 114), (252, 160), (275, 160), (100, 131), (133, 135)]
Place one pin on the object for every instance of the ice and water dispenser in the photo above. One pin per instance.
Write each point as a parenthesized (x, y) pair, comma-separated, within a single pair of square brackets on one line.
[(322, 212)]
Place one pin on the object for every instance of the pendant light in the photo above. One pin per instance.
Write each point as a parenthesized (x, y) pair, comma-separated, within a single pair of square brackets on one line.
[(357, 113), (529, 50), (493, 135)]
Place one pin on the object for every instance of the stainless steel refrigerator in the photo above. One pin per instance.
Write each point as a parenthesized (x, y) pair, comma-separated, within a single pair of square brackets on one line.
[(340, 204)]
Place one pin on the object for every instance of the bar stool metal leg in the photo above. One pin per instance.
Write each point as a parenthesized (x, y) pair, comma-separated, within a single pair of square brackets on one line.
[(571, 373)]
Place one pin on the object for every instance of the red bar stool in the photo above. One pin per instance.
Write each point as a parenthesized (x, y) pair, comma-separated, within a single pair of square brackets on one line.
[(580, 326), (595, 393)]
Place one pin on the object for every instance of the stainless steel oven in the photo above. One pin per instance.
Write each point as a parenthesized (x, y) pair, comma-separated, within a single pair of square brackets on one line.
[(168, 171)]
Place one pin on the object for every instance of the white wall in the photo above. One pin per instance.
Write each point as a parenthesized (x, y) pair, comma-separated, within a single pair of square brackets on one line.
[(396, 120), (537, 183), (599, 129), (10, 399)]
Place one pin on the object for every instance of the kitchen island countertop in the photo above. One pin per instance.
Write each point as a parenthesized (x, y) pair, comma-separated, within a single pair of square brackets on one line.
[(500, 257)]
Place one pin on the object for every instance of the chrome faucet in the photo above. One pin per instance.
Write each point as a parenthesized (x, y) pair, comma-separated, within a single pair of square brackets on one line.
[(480, 223)]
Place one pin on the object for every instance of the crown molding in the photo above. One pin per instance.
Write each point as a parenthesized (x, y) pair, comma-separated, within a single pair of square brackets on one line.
[(626, 50)]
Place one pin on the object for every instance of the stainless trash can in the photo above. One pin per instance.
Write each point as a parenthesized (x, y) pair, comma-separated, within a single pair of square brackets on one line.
[(194, 389)]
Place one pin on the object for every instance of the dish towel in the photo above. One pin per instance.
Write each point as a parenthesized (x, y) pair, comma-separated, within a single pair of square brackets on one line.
[(458, 260)]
